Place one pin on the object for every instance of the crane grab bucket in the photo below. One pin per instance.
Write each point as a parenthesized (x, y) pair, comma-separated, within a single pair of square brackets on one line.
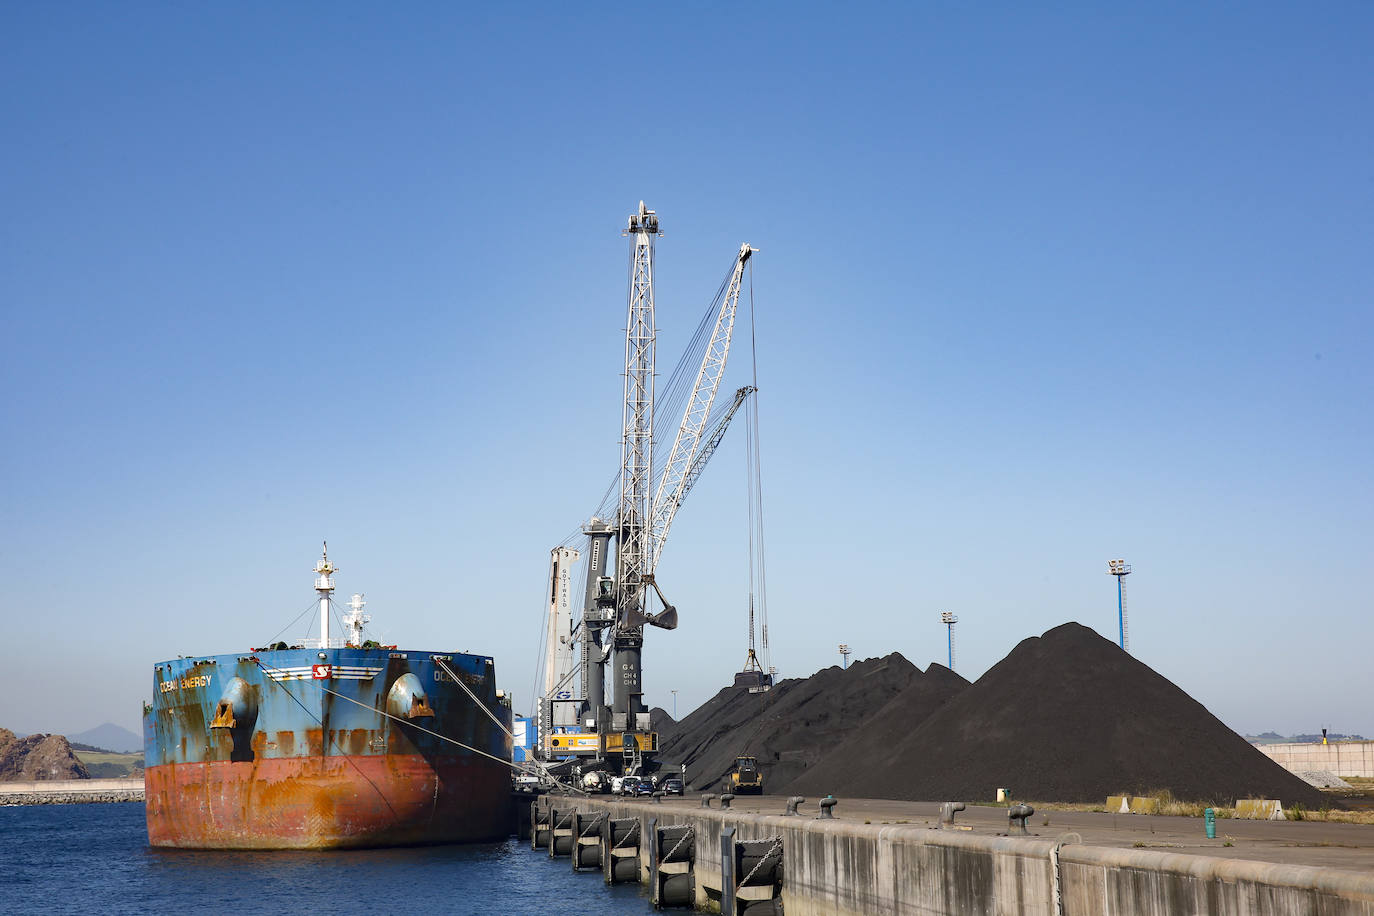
[(665, 619)]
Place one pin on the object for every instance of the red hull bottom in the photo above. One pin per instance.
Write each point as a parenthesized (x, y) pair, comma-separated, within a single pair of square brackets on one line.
[(326, 802)]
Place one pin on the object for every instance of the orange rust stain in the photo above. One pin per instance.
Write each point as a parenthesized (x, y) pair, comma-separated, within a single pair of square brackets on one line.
[(314, 741), (358, 740), (286, 743)]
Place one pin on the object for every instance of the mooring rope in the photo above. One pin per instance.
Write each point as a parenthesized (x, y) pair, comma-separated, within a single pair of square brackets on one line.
[(472, 696), (514, 766)]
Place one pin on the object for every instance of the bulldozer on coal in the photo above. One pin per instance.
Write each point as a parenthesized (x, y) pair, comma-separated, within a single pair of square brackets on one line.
[(745, 778)]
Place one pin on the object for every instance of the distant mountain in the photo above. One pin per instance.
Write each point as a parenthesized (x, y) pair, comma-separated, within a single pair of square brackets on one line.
[(110, 737), (1275, 738)]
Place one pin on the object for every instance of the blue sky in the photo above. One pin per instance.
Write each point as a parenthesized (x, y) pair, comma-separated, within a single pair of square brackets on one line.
[(1036, 288)]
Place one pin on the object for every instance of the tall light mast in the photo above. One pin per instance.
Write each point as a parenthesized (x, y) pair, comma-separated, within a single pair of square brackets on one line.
[(636, 450), (1121, 569), (949, 620)]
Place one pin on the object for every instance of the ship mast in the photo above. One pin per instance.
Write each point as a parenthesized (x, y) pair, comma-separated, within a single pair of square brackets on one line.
[(355, 620), (324, 584)]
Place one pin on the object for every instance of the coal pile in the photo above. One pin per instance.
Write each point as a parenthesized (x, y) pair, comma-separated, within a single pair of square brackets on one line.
[(660, 721), (864, 747), (1069, 717), (788, 728)]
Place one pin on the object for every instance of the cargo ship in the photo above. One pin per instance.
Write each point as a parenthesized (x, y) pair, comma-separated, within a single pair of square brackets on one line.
[(333, 743)]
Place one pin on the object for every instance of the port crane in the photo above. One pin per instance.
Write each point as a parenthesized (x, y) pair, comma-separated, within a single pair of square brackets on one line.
[(615, 610)]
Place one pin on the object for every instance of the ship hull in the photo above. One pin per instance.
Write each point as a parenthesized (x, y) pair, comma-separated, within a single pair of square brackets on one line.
[(341, 748), (331, 802)]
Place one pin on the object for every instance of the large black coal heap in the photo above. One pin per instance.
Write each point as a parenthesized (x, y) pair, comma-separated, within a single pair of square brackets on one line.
[(1067, 716)]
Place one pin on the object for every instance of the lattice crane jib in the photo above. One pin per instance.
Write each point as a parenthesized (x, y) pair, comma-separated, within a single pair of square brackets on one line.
[(689, 438)]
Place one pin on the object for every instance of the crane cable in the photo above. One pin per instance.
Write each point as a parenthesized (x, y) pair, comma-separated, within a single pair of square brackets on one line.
[(758, 574)]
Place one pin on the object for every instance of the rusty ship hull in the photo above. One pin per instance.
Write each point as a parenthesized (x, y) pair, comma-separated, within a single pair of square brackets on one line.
[(329, 748)]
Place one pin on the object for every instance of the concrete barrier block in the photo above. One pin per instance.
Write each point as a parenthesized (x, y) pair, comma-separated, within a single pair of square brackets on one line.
[(1144, 804), (1259, 809), (1132, 804)]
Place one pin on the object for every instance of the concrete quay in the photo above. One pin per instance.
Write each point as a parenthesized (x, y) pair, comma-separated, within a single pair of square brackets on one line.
[(71, 791), (892, 857)]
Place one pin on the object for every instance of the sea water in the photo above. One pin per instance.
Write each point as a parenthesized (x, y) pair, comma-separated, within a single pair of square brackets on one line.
[(96, 859)]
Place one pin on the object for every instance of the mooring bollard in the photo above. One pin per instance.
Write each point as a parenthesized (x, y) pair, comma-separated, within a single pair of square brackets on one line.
[(1017, 814), (706, 800), (827, 804), (947, 813), (726, 799), (1209, 818), (792, 805), (658, 797)]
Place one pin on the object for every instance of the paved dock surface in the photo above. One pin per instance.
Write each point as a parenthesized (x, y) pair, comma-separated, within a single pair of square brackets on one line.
[(1345, 846)]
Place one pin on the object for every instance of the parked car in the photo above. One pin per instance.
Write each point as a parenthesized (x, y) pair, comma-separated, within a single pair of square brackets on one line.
[(644, 787), (618, 785), (671, 786)]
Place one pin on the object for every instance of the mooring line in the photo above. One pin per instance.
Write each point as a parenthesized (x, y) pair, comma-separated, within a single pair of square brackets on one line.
[(472, 696), (388, 715), (324, 736)]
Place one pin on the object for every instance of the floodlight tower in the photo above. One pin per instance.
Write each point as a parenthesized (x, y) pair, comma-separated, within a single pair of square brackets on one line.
[(1121, 569), (844, 654), (949, 620)]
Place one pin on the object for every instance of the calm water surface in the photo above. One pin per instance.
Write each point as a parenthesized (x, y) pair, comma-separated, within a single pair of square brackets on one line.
[(96, 859)]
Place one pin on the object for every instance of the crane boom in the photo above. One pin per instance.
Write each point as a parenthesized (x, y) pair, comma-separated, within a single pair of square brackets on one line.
[(709, 447), (694, 418)]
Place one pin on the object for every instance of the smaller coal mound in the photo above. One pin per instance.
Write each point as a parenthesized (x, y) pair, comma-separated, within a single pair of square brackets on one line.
[(1067, 716), (860, 749), (660, 721), (38, 757), (787, 728)]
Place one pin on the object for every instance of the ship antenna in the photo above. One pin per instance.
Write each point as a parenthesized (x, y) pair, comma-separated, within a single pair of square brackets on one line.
[(324, 584)]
